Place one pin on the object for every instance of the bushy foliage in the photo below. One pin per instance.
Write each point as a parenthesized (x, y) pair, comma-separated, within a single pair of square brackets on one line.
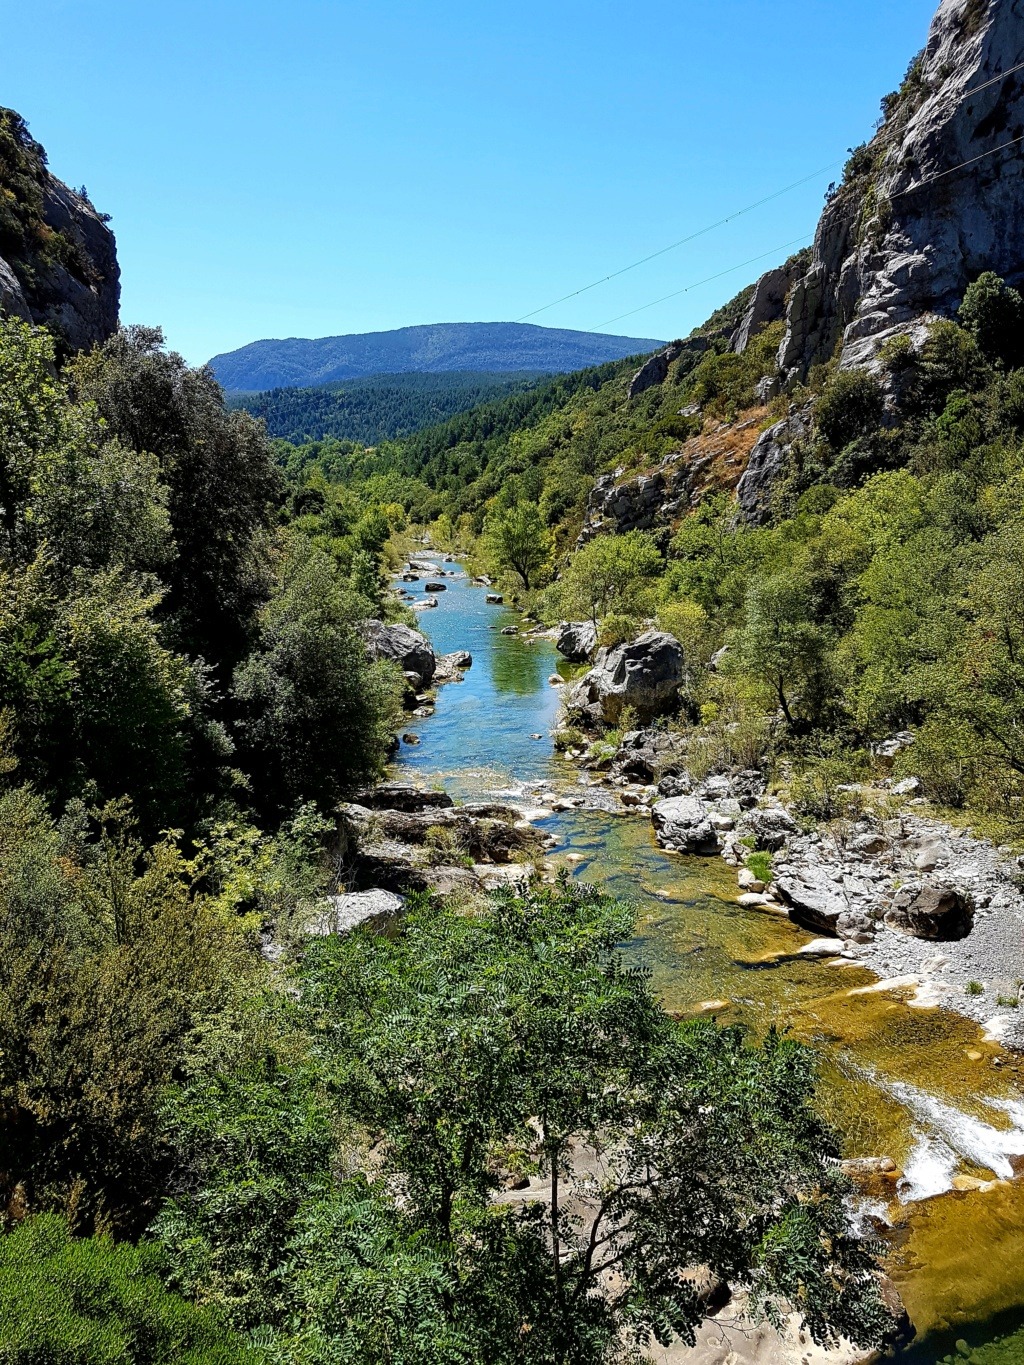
[(91, 1302), (466, 1051)]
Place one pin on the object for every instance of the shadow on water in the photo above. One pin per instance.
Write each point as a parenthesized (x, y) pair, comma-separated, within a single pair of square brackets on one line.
[(913, 1084)]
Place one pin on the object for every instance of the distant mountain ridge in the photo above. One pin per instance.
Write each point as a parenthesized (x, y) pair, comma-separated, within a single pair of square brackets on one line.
[(435, 348)]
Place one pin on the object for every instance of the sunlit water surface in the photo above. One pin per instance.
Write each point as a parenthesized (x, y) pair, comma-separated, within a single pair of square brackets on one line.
[(896, 1081)]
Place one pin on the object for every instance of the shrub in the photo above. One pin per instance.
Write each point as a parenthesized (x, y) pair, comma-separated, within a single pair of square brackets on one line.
[(994, 314), (93, 1302), (851, 405)]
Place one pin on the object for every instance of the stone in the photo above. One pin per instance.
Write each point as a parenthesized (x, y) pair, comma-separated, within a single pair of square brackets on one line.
[(767, 304), (767, 463), (822, 947), (375, 909), (748, 881), (910, 786), (813, 898), (654, 371), (494, 598), (402, 645), (556, 681), (644, 674), (402, 796), (510, 630), (768, 826), (425, 604), (576, 640), (931, 910), (410, 738), (435, 587), (684, 822)]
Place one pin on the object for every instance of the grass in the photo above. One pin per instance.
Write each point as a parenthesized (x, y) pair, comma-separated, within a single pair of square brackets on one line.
[(975, 988)]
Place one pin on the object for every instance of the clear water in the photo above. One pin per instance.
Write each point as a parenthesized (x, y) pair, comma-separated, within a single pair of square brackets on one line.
[(896, 1081)]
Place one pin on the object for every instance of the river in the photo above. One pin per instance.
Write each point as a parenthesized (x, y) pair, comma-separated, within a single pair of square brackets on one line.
[(918, 1085)]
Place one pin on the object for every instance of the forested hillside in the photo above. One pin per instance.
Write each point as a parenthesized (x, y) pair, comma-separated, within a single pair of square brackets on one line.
[(382, 407), (434, 348)]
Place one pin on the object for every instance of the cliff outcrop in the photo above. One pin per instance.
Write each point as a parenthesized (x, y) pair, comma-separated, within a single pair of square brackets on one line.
[(932, 201), (58, 258)]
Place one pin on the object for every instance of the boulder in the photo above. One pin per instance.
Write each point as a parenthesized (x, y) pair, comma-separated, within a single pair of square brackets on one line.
[(375, 909), (577, 640), (435, 587), (654, 371), (402, 645), (768, 826), (932, 911), (644, 674), (402, 796), (645, 754), (684, 824), (815, 901), (494, 598)]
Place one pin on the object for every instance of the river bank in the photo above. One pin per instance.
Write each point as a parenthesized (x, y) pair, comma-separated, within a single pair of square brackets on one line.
[(918, 1085)]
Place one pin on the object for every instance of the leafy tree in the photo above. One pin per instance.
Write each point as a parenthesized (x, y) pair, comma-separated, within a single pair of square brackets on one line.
[(521, 1042), (850, 406), (994, 314), (220, 479), (781, 644), (517, 539), (610, 573), (316, 713)]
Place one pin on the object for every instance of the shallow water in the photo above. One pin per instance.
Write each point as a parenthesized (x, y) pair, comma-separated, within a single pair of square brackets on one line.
[(896, 1080)]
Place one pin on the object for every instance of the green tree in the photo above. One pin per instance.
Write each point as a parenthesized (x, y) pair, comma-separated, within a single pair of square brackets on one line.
[(611, 574), (521, 1042), (781, 644), (517, 539), (994, 314), (317, 715), (850, 406)]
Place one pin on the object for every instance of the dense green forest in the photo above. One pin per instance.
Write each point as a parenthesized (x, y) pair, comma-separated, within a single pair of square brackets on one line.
[(382, 407)]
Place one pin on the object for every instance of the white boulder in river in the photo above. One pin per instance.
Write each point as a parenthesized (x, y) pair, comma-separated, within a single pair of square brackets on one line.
[(644, 673)]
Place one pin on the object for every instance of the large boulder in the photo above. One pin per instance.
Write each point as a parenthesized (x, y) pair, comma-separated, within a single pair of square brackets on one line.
[(816, 901), (683, 824), (376, 909), (769, 827), (402, 645), (577, 640), (643, 674), (402, 796), (932, 911)]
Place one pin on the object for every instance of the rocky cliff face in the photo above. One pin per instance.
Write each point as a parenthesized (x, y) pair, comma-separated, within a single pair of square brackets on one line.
[(932, 201), (58, 258)]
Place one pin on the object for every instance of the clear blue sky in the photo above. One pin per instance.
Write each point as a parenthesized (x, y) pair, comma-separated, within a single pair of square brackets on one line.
[(313, 167)]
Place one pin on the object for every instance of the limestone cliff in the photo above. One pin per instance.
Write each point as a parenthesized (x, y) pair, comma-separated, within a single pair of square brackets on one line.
[(932, 201), (58, 258)]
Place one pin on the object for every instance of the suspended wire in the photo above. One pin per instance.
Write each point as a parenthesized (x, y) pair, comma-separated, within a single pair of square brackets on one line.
[(737, 213), (749, 208), (1001, 77), (941, 174), (798, 241), (898, 195)]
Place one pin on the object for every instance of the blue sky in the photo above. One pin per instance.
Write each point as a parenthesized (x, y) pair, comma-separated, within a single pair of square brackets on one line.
[(315, 167)]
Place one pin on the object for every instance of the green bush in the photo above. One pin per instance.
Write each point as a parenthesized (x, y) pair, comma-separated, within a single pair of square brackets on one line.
[(93, 1302), (850, 406)]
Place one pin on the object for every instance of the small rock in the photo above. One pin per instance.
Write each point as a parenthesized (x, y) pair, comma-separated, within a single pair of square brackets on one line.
[(910, 786), (822, 947), (410, 738), (495, 599), (556, 681)]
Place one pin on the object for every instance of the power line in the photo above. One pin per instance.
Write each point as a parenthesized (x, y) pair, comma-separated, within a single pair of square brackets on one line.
[(737, 213), (749, 208), (899, 194), (974, 159), (798, 241), (1001, 77)]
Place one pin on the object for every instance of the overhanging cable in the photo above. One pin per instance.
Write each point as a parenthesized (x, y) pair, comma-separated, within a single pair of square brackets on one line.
[(737, 213), (798, 241)]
